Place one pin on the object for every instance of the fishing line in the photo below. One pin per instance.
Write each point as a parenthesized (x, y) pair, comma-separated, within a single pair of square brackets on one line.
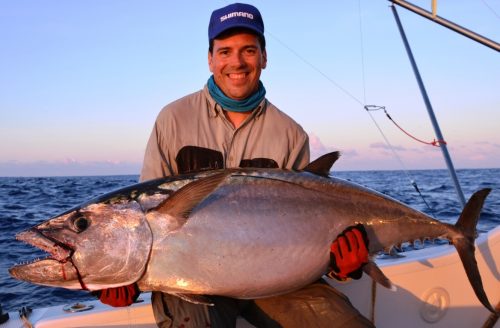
[(362, 49), (490, 8), (405, 170), (354, 98), (367, 108), (316, 69)]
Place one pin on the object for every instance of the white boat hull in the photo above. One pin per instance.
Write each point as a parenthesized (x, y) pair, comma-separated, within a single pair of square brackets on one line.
[(433, 290)]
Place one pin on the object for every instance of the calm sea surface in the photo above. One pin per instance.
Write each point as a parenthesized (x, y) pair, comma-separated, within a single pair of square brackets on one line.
[(25, 202)]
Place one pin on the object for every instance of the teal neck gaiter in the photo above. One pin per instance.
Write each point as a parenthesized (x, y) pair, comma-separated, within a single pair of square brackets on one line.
[(233, 105)]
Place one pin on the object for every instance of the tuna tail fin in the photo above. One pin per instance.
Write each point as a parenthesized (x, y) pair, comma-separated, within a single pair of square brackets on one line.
[(470, 214), (465, 245)]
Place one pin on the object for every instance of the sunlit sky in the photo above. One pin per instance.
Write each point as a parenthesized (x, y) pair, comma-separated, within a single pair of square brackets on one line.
[(81, 82)]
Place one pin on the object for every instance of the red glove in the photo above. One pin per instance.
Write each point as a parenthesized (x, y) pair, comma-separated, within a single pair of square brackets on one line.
[(349, 252), (118, 296)]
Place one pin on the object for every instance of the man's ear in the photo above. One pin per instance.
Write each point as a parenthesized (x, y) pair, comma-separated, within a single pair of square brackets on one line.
[(264, 59), (210, 61)]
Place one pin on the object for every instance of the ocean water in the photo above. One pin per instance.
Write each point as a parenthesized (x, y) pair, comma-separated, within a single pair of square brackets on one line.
[(25, 202)]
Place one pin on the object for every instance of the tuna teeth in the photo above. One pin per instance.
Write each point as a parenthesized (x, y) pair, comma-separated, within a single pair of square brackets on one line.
[(27, 262)]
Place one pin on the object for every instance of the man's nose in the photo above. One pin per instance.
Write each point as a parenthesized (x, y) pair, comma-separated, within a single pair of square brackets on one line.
[(238, 60)]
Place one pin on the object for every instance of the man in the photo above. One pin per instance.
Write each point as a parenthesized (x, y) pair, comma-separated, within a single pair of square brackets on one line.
[(230, 123)]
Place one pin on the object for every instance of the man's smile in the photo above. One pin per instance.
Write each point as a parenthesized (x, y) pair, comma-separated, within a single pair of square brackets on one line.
[(237, 76)]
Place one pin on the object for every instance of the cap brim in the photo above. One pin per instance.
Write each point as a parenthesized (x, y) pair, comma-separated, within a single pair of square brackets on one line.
[(240, 25)]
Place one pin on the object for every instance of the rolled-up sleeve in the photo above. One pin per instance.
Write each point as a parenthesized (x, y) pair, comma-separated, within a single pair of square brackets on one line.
[(300, 153), (155, 164)]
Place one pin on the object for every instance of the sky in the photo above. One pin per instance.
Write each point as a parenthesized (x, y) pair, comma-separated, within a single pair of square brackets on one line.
[(81, 82)]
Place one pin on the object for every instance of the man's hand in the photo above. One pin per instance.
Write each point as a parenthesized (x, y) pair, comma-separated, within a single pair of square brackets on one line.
[(118, 296), (349, 252)]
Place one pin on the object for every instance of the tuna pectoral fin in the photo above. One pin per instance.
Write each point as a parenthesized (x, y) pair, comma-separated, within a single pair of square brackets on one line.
[(195, 299), (466, 224), (377, 275), (181, 203)]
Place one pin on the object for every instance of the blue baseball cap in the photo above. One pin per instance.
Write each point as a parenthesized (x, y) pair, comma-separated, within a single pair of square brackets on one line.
[(235, 15)]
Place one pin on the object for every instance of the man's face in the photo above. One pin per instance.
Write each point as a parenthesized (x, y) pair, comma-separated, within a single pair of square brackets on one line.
[(236, 63)]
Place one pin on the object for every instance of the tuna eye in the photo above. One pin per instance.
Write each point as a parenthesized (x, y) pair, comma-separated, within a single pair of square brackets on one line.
[(81, 223)]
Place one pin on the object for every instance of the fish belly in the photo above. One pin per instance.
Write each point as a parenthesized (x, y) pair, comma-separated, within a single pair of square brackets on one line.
[(257, 241)]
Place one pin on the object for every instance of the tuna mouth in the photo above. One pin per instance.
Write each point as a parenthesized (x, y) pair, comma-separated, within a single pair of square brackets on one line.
[(56, 250), (57, 269)]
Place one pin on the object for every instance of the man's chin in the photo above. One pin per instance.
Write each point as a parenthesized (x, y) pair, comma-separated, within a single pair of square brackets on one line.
[(238, 95), (238, 91)]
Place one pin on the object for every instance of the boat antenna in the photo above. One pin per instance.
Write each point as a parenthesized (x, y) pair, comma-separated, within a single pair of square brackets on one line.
[(428, 105)]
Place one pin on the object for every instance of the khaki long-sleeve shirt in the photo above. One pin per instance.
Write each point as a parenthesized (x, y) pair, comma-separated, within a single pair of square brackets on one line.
[(197, 122)]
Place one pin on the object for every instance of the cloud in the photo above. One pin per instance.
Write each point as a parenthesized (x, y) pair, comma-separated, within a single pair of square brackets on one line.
[(67, 167), (350, 152), (318, 148), (378, 156), (315, 143), (479, 154), (380, 145), (487, 144)]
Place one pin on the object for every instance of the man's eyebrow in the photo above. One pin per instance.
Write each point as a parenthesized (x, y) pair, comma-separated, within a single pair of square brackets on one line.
[(250, 46), (223, 48)]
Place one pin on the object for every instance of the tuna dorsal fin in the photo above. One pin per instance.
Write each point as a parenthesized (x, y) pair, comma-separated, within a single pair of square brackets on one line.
[(181, 203), (323, 165)]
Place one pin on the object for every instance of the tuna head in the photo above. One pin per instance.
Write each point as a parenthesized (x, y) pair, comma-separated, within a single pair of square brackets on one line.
[(93, 247)]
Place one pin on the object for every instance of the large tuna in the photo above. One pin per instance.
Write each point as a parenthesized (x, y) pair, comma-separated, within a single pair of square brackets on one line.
[(244, 233)]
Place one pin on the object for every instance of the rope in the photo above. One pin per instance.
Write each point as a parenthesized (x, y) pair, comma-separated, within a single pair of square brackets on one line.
[(374, 298), (435, 143)]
